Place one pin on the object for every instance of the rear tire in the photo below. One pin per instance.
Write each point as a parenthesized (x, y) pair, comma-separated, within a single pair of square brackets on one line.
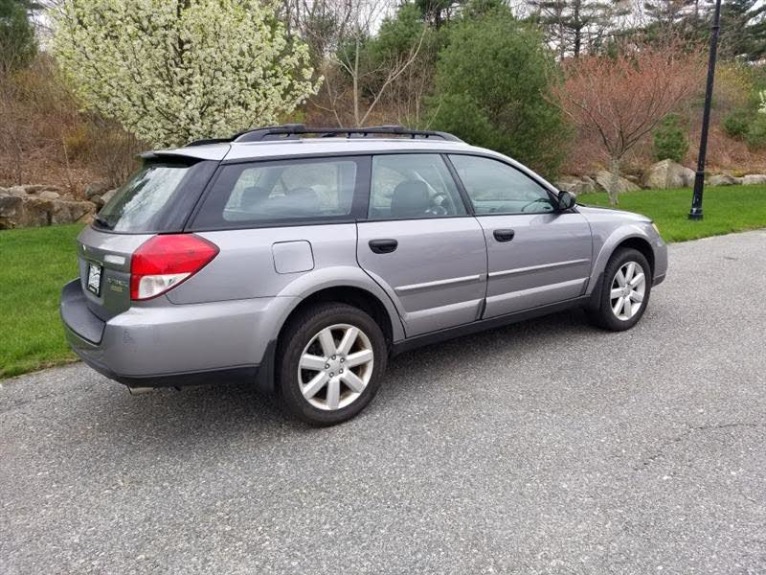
[(330, 362), (625, 290)]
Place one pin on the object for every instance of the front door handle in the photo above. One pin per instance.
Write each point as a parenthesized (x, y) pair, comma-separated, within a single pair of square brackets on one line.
[(504, 235), (383, 246)]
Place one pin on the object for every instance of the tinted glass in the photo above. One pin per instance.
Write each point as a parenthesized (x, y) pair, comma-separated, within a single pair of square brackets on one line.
[(497, 188), (408, 186), (140, 205), (281, 191)]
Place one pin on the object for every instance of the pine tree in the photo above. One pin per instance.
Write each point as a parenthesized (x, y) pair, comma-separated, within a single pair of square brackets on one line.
[(438, 12), (743, 29), (667, 19), (17, 36), (575, 26)]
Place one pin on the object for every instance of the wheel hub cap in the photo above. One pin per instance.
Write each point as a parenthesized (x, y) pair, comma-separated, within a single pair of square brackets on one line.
[(335, 367), (627, 291)]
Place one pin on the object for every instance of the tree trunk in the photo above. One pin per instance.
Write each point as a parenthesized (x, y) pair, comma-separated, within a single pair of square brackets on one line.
[(578, 26), (355, 80), (614, 181)]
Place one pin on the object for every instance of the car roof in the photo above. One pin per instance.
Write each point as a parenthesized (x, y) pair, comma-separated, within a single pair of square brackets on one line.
[(297, 141), (239, 151)]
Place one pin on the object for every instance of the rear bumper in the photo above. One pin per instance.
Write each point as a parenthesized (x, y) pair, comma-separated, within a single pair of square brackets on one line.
[(173, 345)]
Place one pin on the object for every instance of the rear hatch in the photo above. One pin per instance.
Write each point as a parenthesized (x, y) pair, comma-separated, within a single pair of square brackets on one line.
[(158, 199)]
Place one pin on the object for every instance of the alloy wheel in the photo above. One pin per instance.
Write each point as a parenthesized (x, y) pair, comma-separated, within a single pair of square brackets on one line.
[(335, 367), (626, 296)]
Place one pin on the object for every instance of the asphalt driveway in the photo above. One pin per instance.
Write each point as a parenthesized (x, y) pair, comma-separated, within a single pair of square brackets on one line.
[(545, 447)]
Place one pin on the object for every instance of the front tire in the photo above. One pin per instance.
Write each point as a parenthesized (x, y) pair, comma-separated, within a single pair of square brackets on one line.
[(625, 290), (330, 363)]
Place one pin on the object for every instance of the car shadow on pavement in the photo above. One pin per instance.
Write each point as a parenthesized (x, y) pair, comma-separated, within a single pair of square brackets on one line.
[(232, 410)]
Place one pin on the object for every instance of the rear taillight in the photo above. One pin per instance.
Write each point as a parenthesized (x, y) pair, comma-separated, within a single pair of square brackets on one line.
[(163, 262)]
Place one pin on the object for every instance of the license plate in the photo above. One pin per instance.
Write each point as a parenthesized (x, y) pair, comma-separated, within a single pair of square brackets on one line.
[(94, 278)]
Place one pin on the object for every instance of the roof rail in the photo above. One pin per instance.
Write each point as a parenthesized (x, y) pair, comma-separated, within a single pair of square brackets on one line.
[(294, 131), (207, 141)]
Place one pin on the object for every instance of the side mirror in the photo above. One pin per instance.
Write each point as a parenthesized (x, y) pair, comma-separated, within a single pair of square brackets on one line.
[(566, 201)]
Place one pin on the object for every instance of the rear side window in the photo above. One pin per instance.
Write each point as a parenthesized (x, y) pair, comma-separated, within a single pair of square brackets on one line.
[(280, 191), (158, 198)]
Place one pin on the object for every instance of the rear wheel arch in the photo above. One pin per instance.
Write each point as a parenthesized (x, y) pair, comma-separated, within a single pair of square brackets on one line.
[(354, 296)]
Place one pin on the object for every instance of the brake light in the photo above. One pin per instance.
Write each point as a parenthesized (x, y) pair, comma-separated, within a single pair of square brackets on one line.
[(163, 262)]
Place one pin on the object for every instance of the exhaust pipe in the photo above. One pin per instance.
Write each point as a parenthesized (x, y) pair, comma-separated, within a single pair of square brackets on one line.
[(140, 390)]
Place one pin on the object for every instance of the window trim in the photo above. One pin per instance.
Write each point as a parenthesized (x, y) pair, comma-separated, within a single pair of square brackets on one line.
[(531, 175), (363, 169)]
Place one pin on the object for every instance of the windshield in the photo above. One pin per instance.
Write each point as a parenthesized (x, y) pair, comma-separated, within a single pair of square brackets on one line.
[(140, 205)]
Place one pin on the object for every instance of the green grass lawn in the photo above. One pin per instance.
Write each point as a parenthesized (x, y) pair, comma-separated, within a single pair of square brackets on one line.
[(35, 263), (725, 209)]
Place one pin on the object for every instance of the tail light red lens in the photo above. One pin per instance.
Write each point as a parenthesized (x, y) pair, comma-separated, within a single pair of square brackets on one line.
[(164, 262)]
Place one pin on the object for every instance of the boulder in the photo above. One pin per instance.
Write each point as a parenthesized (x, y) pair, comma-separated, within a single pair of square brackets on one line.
[(17, 191), (34, 188), (668, 174), (68, 212), (753, 179), (604, 180), (108, 195), (575, 185), (48, 195), (96, 189), (12, 212), (32, 211), (723, 180)]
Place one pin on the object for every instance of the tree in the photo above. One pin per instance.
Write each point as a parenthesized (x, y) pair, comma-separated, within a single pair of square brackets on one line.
[(401, 36), (493, 80), (743, 29), (174, 71), (624, 97), (17, 36), (575, 25), (365, 70), (674, 19), (436, 13)]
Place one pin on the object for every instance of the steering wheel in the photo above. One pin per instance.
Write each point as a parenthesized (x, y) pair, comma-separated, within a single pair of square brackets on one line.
[(545, 201), (437, 209)]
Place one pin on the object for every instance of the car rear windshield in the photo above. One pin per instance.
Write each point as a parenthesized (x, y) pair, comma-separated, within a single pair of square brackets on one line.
[(157, 198)]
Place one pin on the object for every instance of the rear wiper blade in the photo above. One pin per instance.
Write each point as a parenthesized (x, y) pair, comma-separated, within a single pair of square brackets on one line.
[(102, 223)]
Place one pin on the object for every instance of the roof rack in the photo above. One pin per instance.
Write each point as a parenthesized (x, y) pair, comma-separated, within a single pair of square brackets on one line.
[(294, 131), (207, 141)]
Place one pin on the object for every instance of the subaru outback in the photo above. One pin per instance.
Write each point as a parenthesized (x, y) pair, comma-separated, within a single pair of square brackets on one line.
[(300, 260)]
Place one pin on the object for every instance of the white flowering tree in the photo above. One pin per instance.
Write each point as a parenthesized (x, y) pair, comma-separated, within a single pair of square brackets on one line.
[(171, 71)]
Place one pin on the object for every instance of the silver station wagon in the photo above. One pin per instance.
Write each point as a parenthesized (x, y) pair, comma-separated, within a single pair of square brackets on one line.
[(300, 260)]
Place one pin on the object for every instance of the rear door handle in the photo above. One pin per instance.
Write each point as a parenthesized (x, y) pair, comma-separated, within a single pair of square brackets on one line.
[(383, 246), (504, 235)]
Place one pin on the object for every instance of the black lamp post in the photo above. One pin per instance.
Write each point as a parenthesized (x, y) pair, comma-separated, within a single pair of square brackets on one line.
[(699, 178)]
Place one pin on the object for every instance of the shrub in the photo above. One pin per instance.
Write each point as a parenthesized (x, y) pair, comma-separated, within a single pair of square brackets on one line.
[(493, 82), (756, 133), (670, 141), (736, 123)]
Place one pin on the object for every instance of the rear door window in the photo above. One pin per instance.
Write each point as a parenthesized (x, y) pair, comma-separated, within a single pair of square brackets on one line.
[(413, 186), (266, 193)]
